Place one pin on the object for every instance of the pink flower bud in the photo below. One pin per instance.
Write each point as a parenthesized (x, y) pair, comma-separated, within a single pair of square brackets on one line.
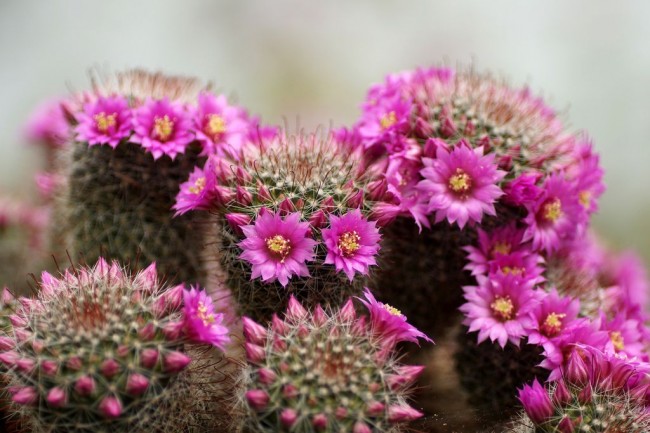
[(263, 193), (257, 399), (317, 219), (266, 375), (147, 280), (409, 373), (327, 205), (319, 421), (109, 368), (376, 189), (50, 368), (173, 330), (577, 372), (22, 334), (7, 343), (347, 312), (286, 207), (355, 200), (561, 395), (289, 391), (111, 407), (25, 365), (85, 386), (9, 358), (57, 397), (243, 176), (536, 402), (288, 417), (149, 358), (375, 408), (566, 425), (236, 220), (361, 427), (340, 412), (174, 297), (254, 353), (26, 395), (279, 344), (74, 363), (38, 346), (400, 413), (295, 310), (278, 325), (585, 396), (17, 321), (319, 317), (136, 384), (254, 332), (244, 198), (176, 361), (147, 332)]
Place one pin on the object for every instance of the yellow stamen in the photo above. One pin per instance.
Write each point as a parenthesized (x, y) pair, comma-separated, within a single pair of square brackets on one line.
[(585, 199), (216, 126), (507, 270), (552, 210), (207, 318), (392, 310), (502, 307), (104, 121), (553, 324), (198, 185), (279, 246), (388, 120), (460, 181), (163, 128), (617, 340), (502, 248), (349, 243)]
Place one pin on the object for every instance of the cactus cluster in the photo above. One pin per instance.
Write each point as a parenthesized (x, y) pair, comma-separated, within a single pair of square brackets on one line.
[(321, 185), (318, 371), (100, 350)]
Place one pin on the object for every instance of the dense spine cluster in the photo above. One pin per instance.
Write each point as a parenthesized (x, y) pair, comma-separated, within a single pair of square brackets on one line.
[(328, 371)]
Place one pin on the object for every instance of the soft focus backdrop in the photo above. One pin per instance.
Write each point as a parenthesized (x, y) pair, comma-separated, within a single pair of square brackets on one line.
[(313, 61)]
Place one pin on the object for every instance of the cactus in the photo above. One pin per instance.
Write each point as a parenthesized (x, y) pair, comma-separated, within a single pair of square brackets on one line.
[(314, 187), (329, 371), (102, 351), (137, 137)]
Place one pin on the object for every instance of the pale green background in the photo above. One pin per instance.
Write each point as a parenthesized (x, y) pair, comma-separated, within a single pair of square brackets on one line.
[(315, 59)]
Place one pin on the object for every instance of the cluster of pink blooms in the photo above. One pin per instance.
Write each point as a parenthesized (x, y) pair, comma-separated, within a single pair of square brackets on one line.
[(280, 247), (438, 169), (166, 127), (514, 302)]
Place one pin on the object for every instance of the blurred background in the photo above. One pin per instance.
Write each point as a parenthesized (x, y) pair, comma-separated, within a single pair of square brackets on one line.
[(313, 61)]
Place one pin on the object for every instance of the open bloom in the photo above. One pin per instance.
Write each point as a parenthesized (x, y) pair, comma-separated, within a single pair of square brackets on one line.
[(553, 314), (162, 127), (197, 192), (277, 248), (555, 216), (498, 308), (201, 322), (461, 184), (220, 128), (107, 120), (492, 245), (47, 124), (389, 322), (352, 243)]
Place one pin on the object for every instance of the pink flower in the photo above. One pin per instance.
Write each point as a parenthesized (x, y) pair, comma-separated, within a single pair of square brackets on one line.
[(352, 243), (277, 248), (624, 336), (553, 314), (587, 175), (106, 120), (221, 128), (461, 184), (492, 245), (523, 189), (197, 192), (389, 322), (555, 216), (536, 402), (385, 123), (47, 124), (162, 128), (201, 322), (499, 308), (524, 265)]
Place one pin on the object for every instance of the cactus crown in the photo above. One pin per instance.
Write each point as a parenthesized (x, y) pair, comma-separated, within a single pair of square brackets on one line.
[(96, 350), (325, 371)]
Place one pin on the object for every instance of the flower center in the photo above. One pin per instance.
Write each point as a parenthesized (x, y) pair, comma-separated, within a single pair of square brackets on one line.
[(503, 308), (216, 126), (105, 121), (349, 243), (460, 182), (163, 128), (279, 246), (207, 318), (392, 310), (502, 247), (552, 210), (617, 340), (198, 185), (512, 270), (585, 199), (388, 120), (553, 324)]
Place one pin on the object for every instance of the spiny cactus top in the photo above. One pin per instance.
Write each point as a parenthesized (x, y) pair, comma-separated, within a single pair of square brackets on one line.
[(597, 393), (100, 350), (292, 209), (457, 144), (163, 114), (318, 371)]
